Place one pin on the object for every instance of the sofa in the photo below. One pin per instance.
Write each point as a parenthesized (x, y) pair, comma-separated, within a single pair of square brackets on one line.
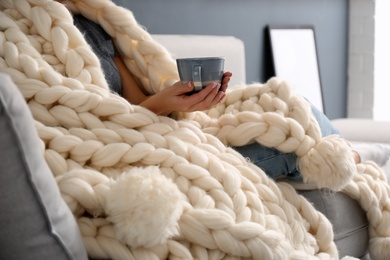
[(36, 222)]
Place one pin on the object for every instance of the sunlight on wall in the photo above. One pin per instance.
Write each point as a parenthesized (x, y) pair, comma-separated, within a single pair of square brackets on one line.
[(368, 60), (382, 61)]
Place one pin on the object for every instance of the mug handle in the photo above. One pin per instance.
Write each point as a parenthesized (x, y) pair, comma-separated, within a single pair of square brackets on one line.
[(197, 77)]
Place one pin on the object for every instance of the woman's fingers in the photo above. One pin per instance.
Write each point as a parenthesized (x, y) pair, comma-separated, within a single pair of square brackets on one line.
[(211, 95), (226, 80), (206, 98)]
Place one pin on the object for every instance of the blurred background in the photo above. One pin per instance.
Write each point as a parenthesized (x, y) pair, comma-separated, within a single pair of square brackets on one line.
[(348, 56)]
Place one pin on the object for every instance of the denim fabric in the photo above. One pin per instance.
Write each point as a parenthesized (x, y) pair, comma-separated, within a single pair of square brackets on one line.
[(276, 163), (325, 125), (103, 47)]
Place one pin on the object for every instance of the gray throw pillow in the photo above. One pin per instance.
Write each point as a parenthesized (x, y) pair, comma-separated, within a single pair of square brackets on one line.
[(35, 222)]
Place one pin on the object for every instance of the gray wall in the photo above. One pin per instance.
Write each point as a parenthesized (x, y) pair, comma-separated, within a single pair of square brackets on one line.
[(247, 19)]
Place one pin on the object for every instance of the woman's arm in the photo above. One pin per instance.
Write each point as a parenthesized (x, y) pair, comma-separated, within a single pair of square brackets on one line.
[(173, 98), (130, 89)]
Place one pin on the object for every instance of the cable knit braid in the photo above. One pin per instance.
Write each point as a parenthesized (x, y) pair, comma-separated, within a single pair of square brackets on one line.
[(143, 186), (370, 188), (318, 158), (232, 212)]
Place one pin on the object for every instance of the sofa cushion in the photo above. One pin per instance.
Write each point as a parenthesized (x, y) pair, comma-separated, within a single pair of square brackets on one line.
[(350, 224), (35, 222)]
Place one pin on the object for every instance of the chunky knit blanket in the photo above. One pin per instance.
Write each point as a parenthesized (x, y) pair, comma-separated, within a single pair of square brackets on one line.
[(143, 186)]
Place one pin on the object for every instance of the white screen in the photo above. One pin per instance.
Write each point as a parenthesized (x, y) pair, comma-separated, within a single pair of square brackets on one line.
[(295, 61)]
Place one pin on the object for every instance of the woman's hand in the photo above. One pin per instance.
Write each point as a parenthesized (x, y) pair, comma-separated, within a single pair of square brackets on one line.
[(174, 98)]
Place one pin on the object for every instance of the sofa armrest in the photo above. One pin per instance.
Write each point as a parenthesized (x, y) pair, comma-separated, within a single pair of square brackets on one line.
[(35, 221), (229, 47), (364, 130)]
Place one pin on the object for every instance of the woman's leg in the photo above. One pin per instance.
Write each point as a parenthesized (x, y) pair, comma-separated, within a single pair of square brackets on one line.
[(272, 161), (325, 125), (276, 163)]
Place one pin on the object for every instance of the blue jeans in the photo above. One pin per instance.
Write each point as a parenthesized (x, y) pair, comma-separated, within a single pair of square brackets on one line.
[(276, 163)]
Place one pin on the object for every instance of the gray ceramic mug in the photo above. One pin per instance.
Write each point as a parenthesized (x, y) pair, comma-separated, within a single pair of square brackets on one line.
[(202, 71)]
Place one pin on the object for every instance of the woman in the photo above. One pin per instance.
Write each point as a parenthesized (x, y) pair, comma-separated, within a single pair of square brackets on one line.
[(173, 98)]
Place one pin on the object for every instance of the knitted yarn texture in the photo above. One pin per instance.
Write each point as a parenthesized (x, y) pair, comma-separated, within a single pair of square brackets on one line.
[(145, 186)]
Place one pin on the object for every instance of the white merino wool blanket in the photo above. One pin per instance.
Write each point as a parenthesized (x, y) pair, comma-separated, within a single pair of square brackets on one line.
[(143, 186)]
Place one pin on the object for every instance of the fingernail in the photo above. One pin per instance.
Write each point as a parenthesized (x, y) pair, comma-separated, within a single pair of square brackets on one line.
[(215, 84), (189, 84)]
